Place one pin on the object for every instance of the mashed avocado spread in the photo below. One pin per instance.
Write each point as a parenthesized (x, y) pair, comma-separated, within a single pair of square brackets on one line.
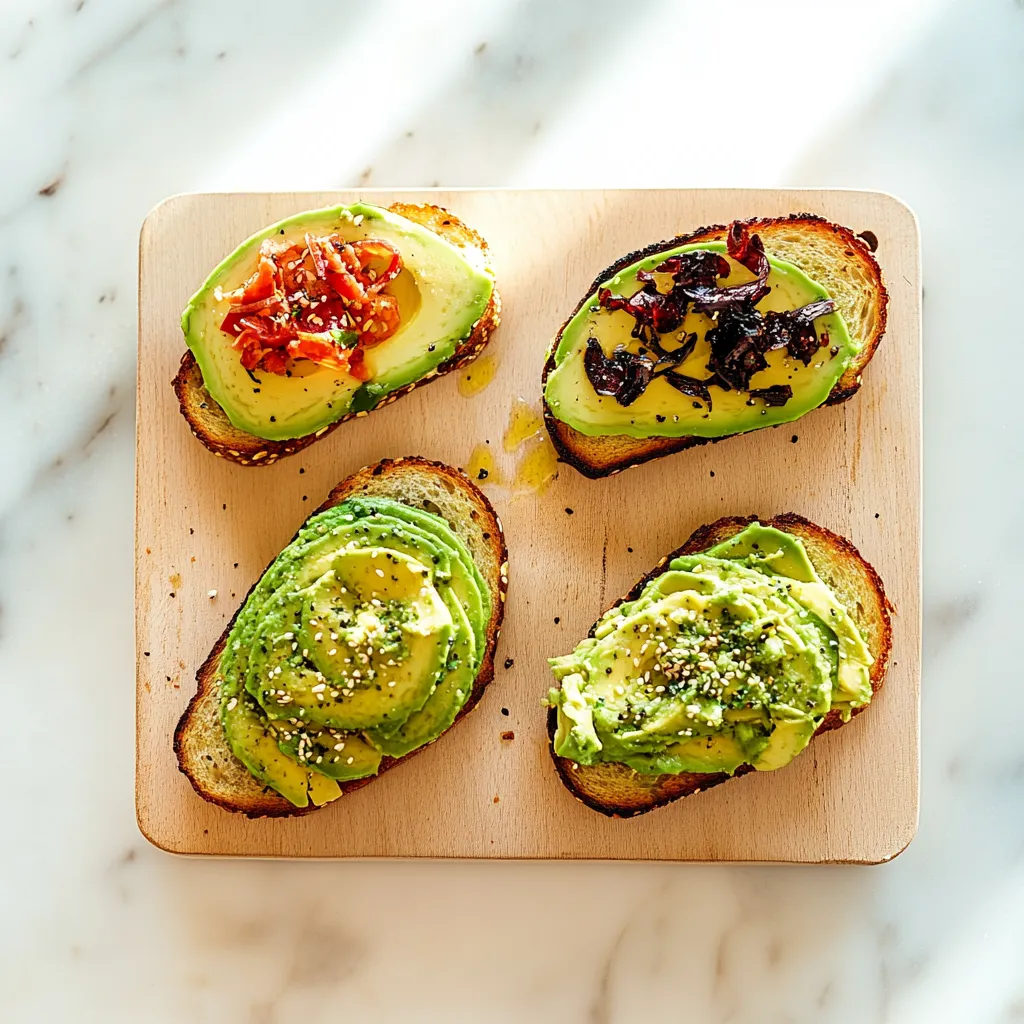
[(362, 639), (731, 656)]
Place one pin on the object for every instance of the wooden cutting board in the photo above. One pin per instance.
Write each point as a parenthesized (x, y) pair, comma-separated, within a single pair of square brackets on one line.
[(204, 524)]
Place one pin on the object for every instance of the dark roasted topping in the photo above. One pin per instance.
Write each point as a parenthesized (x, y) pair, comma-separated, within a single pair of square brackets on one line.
[(737, 349), (777, 394), (689, 386), (739, 341), (624, 375), (747, 250), (794, 330)]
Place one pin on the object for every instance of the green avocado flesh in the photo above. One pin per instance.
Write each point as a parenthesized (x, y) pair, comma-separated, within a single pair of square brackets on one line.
[(662, 411), (442, 292), (732, 656), (362, 639)]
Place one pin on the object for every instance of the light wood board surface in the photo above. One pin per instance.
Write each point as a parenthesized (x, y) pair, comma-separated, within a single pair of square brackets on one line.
[(204, 524)]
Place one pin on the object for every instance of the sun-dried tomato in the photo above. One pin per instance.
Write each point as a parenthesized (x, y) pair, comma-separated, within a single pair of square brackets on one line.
[(323, 300)]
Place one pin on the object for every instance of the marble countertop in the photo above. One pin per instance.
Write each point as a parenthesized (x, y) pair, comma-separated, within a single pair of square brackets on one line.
[(106, 107)]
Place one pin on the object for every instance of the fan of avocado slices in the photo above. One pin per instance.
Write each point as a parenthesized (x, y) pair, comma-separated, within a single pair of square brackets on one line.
[(361, 641), (705, 339), (731, 656), (326, 313)]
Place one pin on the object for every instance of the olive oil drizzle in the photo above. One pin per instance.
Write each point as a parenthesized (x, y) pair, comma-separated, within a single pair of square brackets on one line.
[(481, 468), (477, 375), (537, 466), (524, 422)]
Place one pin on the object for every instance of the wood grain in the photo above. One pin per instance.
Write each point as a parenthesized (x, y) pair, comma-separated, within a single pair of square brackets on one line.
[(203, 524)]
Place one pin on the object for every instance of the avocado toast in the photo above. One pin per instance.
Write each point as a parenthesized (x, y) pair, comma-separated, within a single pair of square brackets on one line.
[(665, 352), (369, 636), (736, 651), (326, 316)]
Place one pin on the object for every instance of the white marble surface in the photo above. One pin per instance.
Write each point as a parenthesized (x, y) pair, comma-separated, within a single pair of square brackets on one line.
[(106, 106)]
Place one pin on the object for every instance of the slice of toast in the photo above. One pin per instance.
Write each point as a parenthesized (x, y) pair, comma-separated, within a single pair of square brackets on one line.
[(618, 791), (210, 423), (199, 742), (830, 254)]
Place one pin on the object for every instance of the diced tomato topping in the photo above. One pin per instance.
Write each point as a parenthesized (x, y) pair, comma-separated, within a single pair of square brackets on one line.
[(357, 365), (347, 285), (322, 301), (377, 249), (382, 320), (261, 284), (319, 350), (276, 361)]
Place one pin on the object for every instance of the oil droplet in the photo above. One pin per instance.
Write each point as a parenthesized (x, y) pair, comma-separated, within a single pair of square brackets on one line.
[(524, 422), (538, 466), (481, 468), (475, 377)]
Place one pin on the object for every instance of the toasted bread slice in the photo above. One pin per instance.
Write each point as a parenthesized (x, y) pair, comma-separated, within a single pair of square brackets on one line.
[(830, 254), (210, 423), (199, 742), (618, 791)]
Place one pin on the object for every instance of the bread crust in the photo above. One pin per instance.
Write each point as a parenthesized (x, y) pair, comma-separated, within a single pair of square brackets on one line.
[(210, 424), (608, 454), (258, 801), (619, 792)]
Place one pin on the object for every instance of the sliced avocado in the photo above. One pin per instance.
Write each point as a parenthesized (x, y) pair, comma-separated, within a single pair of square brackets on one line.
[(332, 752), (442, 292), (370, 592), (792, 731), (716, 753), (575, 737), (409, 529), (731, 656), (445, 700), (662, 410), (256, 747), (362, 646)]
